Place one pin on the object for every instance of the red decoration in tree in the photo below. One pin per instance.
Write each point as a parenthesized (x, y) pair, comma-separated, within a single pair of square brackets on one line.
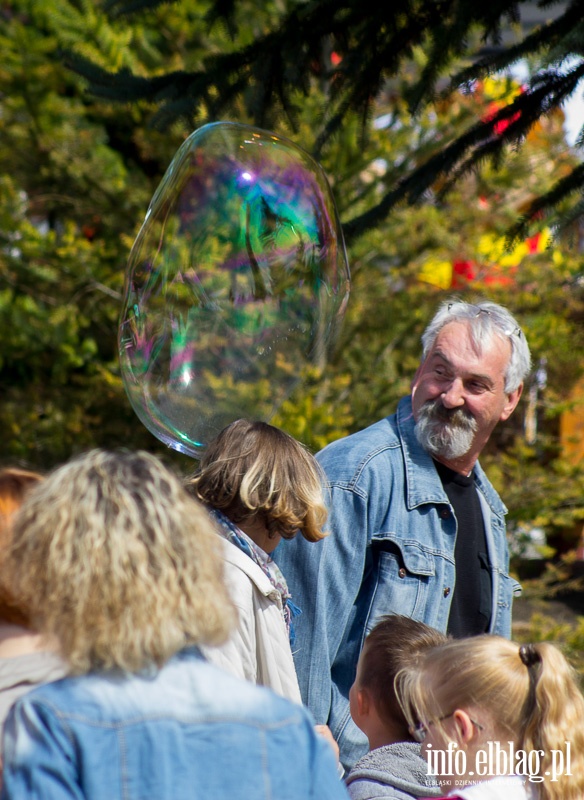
[(463, 271)]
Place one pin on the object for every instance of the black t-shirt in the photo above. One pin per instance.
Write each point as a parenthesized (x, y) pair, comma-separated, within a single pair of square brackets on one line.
[(470, 611)]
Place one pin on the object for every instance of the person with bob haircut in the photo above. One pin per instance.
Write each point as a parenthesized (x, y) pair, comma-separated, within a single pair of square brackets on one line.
[(121, 566), (26, 658), (260, 485), (511, 715), (393, 767)]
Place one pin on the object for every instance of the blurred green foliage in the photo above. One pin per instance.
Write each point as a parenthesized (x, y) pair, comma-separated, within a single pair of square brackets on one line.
[(76, 176), (568, 636)]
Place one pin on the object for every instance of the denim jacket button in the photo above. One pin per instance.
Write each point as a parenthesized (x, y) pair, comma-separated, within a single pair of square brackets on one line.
[(402, 573), (446, 591), (444, 513)]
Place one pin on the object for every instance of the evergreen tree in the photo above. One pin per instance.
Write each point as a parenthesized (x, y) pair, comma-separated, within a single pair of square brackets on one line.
[(273, 72)]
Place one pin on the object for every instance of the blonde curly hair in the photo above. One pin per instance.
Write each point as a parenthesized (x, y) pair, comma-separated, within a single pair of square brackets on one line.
[(114, 559)]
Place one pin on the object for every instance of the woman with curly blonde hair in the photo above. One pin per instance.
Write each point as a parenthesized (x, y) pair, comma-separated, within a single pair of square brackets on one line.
[(261, 486), (116, 561), (497, 719)]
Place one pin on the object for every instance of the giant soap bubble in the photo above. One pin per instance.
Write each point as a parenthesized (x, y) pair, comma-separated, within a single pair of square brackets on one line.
[(235, 285)]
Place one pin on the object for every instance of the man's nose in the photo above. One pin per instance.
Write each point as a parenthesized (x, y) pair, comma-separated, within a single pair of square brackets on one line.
[(453, 396)]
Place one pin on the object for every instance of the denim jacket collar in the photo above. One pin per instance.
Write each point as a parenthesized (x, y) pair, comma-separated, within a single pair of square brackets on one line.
[(423, 484)]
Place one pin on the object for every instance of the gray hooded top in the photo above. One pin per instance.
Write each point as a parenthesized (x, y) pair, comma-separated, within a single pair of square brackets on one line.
[(393, 771)]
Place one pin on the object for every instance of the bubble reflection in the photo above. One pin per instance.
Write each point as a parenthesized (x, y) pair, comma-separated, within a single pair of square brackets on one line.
[(235, 285)]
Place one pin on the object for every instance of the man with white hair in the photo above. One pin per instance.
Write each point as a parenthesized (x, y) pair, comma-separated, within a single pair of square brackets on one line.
[(416, 527)]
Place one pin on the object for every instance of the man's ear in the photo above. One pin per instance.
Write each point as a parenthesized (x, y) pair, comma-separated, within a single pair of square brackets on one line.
[(511, 404)]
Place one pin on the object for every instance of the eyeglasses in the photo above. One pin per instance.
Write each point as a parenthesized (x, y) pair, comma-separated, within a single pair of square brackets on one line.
[(511, 332), (420, 731)]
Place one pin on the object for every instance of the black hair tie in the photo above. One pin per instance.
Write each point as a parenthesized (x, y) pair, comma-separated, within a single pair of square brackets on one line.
[(529, 655)]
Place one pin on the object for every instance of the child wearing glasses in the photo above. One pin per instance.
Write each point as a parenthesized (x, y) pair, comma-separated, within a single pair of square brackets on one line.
[(498, 720), (393, 767)]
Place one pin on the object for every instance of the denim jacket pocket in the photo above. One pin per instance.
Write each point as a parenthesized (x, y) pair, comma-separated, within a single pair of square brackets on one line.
[(404, 570)]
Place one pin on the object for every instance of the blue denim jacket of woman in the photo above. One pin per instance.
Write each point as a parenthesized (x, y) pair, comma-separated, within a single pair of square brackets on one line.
[(186, 731)]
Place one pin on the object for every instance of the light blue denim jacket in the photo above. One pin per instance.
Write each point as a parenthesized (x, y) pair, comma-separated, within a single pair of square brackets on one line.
[(391, 550), (185, 732)]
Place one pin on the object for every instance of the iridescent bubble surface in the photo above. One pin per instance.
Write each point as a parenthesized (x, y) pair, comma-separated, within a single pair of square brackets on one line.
[(235, 285)]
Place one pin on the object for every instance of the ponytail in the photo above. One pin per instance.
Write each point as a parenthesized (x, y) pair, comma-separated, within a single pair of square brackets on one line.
[(529, 695), (554, 721)]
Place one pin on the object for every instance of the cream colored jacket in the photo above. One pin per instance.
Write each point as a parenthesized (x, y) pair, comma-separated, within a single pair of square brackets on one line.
[(259, 648)]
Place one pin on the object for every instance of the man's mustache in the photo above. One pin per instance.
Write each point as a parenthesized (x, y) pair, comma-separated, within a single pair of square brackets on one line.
[(435, 409)]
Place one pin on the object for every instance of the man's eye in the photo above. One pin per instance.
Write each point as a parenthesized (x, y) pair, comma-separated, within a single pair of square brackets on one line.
[(477, 387)]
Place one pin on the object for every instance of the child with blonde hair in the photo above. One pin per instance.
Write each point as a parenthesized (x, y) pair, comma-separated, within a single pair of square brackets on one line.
[(498, 720)]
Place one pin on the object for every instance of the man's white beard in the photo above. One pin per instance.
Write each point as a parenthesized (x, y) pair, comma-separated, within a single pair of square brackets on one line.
[(445, 432)]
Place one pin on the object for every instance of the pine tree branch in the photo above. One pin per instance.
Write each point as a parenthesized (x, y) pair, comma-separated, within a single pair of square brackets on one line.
[(373, 41), (549, 90), (448, 40), (476, 146), (547, 37), (561, 190)]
